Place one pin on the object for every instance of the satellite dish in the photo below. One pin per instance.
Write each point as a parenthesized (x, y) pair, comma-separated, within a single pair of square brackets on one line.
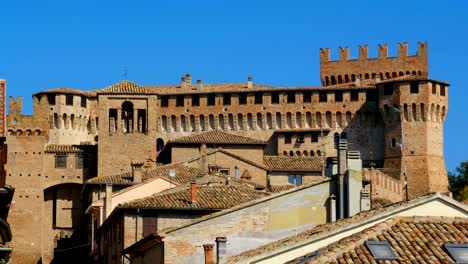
[(172, 173)]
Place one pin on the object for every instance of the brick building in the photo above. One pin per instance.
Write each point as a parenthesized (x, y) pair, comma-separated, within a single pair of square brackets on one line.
[(388, 109)]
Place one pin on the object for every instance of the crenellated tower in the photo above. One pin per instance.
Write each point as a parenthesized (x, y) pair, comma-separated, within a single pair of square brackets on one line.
[(414, 110), (347, 70)]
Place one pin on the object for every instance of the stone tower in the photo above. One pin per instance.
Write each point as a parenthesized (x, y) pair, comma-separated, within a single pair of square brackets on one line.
[(414, 110)]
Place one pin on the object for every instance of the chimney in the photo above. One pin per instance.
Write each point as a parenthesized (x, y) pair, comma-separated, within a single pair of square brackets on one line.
[(199, 84), (220, 249), (249, 82), (377, 78), (332, 208), (204, 158), (365, 200), (188, 79), (208, 253), (342, 156), (108, 200), (358, 80), (137, 174), (193, 191), (182, 82)]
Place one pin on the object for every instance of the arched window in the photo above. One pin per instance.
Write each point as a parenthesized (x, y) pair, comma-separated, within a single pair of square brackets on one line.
[(230, 122), (319, 153), (333, 80), (298, 153), (221, 122), (336, 140), (312, 153), (183, 124), (269, 121), (327, 81), (240, 122), (353, 77), (159, 144), (127, 117), (288, 120), (259, 121), (340, 79), (291, 153), (298, 120), (211, 122), (249, 121), (346, 78), (305, 153), (344, 135), (278, 120), (202, 123), (285, 153), (308, 122)]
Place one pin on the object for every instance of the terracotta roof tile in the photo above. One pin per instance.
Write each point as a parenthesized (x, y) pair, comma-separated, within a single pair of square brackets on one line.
[(208, 197), (125, 87), (63, 90), (276, 188), (218, 137), (184, 175), (67, 149), (412, 239), (296, 163), (410, 78), (364, 83)]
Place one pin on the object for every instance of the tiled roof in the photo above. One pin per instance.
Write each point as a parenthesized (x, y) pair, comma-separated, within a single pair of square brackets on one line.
[(328, 228), (410, 78), (276, 188), (63, 90), (412, 239), (208, 197), (125, 87), (218, 137), (184, 175), (296, 163), (67, 149), (364, 83)]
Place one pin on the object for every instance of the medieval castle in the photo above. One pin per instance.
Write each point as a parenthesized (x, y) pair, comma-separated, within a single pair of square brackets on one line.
[(387, 108)]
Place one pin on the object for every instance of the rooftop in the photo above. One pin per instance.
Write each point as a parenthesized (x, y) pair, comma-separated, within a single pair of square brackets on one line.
[(215, 197), (67, 149), (293, 163), (218, 137)]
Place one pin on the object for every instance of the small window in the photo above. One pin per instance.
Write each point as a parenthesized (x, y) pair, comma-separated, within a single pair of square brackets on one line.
[(195, 100), (51, 99), (323, 97), (164, 101), (339, 96), (354, 96), (371, 96), (61, 161), (287, 139), (307, 97), (414, 87), (434, 88), (314, 138), (224, 171), (291, 97), (83, 102), (226, 99), (381, 250), (179, 100), (69, 99), (242, 98), (275, 98), (388, 89), (258, 98), (442, 90), (211, 99), (295, 179), (150, 225), (393, 142), (81, 162), (300, 139), (458, 252)]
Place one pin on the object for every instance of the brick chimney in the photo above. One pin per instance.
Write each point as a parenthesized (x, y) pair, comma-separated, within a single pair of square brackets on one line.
[(249, 82), (188, 79), (193, 191), (137, 174), (204, 158), (199, 84), (209, 258), (108, 200)]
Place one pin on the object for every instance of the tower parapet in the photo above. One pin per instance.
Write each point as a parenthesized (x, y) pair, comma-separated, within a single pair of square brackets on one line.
[(331, 72)]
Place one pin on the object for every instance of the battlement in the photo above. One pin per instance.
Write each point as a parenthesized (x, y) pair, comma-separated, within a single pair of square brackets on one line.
[(346, 70)]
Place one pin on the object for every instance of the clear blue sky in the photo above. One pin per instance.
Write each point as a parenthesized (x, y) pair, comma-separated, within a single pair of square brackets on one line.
[(87, 44)]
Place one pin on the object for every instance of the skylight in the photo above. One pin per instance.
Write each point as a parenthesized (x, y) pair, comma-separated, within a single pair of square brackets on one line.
[(458, 252), (381, 250)]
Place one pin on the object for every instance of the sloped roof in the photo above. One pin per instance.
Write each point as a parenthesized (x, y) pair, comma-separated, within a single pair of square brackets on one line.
[(125, 87), (276, 188), (295, 163), (208, 197), (221, 150), (67, 149), (412, 239), (218, 137), (410, 77), (364, 83), (64, 90), (184, 175), (329, 228)]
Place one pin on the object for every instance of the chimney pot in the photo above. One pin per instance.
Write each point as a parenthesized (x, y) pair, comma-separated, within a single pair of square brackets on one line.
[(193, 191), (199, 84), (209, 258), (137, 174), (249, 82), (221, 249)]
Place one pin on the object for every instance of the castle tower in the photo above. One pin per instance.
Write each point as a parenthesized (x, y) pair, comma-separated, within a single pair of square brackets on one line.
[(414, 111)]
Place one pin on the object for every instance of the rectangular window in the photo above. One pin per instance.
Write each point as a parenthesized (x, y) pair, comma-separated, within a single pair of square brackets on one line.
[(150, 225), (442, 90), (414, 87), (141, 125), (51, 99), (307, 97), (179, 100), (164, 101), (314, 138), (354, 96), (211, 99), (195, 100), (60, 161), (242, 98), (79, 162), (291, 97), (388, 89), (226, 99), (83, 102), (339, 96), (295, 179), (434, 88), (371, 95), (287, 139), (275, 97), (69, 99), (323, 97), (258, 98), (112, 120), (224, 171)]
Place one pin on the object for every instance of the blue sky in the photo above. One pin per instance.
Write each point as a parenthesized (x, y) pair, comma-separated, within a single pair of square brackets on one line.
[(88, 44)]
